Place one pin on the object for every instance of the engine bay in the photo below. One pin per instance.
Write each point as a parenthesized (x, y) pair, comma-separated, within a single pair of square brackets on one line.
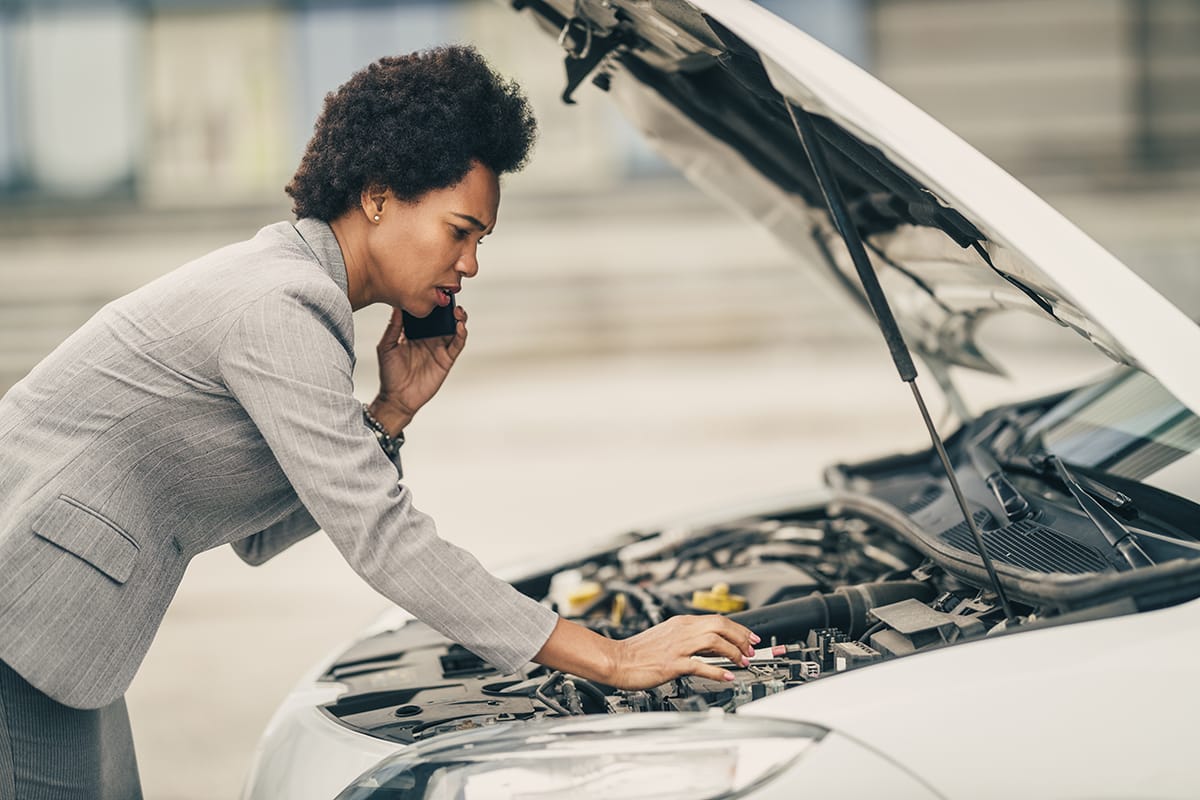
[(880, 566), (827, 593)]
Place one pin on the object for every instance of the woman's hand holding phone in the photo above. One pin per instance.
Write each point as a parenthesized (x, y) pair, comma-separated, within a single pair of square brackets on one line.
[(413, 362)]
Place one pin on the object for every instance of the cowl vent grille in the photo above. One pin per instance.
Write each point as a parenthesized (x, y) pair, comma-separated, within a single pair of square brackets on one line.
[(1030, 545), (922, 500)]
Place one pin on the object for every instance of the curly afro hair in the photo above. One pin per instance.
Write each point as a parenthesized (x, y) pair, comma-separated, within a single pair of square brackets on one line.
[(411, 124)]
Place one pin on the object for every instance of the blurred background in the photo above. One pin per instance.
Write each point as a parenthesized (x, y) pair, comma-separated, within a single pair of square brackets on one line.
[(635, 349)]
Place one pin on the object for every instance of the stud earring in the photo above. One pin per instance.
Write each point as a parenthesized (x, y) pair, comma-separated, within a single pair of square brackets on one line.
[(377, 218)]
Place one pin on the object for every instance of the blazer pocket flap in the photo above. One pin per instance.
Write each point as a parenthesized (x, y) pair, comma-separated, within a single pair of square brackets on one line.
[(90, 535)]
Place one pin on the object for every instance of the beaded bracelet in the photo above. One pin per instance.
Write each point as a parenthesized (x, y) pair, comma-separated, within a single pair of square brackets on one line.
[(390, 444)]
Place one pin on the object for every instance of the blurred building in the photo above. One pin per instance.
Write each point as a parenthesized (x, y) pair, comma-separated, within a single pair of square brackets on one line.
[(192, 103), (205, 102), (1101, 88), (135, 134)]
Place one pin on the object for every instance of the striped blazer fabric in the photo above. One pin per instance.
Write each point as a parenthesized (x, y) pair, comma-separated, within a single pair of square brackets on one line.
[(214, 405)]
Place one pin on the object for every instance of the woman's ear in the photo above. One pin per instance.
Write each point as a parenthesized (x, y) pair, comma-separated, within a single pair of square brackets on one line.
[(373, 200)]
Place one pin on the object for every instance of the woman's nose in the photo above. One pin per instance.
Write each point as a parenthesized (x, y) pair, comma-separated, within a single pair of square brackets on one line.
[(468, 263)]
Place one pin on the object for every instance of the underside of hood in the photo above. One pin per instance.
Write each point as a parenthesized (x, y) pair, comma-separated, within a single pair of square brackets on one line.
[(953, 238)]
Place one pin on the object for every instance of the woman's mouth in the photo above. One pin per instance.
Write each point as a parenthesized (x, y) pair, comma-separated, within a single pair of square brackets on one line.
[(445, 296)]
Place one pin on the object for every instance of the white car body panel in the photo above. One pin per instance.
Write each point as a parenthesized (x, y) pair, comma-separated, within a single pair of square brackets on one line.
[(304, 755), (979, 705), (1075, 711), (842, 767)]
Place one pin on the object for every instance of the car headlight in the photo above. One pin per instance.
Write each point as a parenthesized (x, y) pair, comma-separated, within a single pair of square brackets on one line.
[(661, 756)]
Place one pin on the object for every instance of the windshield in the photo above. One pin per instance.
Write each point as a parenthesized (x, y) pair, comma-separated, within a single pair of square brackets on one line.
[(1127, 425)]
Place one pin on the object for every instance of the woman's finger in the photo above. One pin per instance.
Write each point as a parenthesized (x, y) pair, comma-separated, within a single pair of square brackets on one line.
[(391, 334), (737, 635), (741, 636), (457, 344), (459, 341), (704, 670), (715, 644)]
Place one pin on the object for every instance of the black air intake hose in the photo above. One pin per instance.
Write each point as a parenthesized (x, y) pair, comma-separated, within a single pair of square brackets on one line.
[(846, 608)]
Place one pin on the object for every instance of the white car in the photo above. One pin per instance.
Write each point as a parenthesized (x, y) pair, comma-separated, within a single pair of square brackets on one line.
[(899, 661)]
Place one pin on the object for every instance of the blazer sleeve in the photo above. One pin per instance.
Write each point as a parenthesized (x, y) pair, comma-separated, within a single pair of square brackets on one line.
[(261, 547), (287, 361)]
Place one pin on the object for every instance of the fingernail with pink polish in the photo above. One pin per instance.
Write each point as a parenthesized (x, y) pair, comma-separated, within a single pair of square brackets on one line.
[(754, 637), (728, 676)]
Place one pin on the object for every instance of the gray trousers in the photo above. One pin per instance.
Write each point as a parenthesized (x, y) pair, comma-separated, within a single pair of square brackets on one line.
[(49, 751)]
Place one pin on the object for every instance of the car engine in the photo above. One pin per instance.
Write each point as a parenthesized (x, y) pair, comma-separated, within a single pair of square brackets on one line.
[(827, 593)]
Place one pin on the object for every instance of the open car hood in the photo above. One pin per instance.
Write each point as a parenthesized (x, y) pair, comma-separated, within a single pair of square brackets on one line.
[(953, 238)]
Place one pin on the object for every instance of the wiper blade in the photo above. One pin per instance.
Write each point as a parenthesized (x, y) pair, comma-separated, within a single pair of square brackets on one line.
[(1015, 505), (1086, 491), (1106, 494), (1115, 531), (1002, 436)]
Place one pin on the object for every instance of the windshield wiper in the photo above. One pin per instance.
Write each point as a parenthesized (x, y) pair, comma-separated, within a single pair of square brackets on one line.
[(1085, 490), (1115, 531), (998, 456), (1016, 507), (1102, 492), (1008, 496)]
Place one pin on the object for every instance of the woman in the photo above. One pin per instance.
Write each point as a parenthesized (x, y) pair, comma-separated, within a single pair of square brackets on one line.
[(215, 406)]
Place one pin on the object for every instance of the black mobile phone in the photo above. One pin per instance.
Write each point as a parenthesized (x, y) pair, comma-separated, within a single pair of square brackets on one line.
[(440, 322)]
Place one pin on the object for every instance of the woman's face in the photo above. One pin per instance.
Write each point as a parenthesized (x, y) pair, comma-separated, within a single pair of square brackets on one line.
[(419, 252)]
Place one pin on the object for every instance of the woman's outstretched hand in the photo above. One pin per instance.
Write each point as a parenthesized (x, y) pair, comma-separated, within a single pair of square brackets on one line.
[(412, 370), (664, 652), (653, 656)]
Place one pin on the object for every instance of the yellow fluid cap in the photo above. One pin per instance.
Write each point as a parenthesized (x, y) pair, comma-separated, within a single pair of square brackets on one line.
[(718, 599), (584, 593), (618, 608)]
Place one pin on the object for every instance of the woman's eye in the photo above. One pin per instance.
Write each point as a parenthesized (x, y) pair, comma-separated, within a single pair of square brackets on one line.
[(460, 233)]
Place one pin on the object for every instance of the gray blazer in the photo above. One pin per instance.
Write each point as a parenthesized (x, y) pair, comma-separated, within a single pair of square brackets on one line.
[(211, 406)]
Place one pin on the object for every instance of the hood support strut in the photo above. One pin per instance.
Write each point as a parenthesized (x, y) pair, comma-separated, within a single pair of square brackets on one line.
[(901, 356)]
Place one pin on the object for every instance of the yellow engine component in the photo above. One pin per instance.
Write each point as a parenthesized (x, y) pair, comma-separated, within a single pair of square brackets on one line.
[(718, 599), (584, 593), (618, 608)]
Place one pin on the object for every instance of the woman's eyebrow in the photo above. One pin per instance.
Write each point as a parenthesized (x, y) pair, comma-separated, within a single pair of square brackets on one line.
[(471, 220)]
